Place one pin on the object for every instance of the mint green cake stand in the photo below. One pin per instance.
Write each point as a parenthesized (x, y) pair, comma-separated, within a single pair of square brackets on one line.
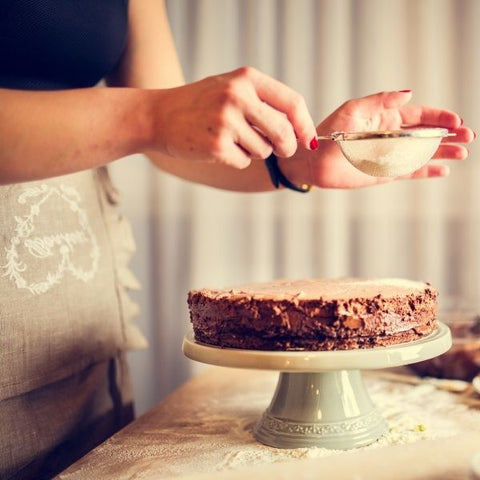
[(321, 399)]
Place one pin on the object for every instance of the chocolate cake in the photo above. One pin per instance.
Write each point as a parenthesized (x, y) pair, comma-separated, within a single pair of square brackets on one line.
[(316, 314)]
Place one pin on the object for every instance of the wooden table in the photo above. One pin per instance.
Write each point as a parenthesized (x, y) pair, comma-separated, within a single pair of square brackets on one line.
[(205, 429)]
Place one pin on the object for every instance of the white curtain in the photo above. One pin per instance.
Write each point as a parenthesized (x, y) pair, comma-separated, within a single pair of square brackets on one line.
[(329, 50)]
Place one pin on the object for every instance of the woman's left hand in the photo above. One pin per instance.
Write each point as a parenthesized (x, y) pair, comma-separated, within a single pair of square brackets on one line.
[(326, 167)]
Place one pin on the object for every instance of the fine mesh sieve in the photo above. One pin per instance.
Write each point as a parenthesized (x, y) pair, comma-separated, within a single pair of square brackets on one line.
[(389, 153)]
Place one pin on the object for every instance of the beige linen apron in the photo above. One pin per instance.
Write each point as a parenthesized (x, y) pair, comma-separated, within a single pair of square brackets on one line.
[(65, 321)]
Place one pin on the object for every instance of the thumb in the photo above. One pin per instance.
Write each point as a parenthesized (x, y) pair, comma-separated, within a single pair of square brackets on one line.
[(394, 99)]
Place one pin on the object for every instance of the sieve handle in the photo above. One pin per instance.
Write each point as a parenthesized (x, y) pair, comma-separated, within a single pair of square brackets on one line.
[(332, 136), (339, 136)]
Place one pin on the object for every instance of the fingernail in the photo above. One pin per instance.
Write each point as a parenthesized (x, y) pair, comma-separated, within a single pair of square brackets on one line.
[(461, 121), (474, 135), (404, 91), (313, 143), (445, 171)]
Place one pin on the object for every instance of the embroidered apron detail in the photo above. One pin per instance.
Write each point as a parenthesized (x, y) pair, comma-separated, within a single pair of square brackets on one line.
[(64, 281), (38, 258)]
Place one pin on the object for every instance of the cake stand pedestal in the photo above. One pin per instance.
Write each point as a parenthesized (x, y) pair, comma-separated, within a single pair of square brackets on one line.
[(321, 399)]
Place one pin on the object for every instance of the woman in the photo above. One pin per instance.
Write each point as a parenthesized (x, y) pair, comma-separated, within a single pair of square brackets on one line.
[(65, 317)]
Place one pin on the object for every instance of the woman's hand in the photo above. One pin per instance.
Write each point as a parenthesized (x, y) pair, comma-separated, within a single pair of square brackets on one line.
[(231, 119), (328, 168)]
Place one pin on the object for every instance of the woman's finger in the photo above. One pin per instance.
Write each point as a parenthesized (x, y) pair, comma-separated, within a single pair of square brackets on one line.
[(285, 100), (252, 141), (275, 126), (451, 152), (237, 158), (383, 100), (433, 117), (430, 170), (462, 135)]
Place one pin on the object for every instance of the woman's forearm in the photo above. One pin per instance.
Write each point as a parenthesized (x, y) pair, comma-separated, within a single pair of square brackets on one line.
[(254, 178), (46, 134)]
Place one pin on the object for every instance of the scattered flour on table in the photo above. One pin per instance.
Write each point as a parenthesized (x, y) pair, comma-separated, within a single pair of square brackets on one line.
[(413, 413), (217, 436)]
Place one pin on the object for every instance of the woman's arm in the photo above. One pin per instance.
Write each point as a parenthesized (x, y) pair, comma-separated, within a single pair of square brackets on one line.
[(45, 134)]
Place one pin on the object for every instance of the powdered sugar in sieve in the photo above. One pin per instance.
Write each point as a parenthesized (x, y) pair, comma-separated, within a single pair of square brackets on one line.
[(389, 153)]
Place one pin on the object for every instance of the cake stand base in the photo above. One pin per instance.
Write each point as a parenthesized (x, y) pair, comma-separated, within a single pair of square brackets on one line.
[(321, 399), (326, 409)]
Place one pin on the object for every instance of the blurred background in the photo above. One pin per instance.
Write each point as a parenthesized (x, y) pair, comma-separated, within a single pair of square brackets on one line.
[(190, 236)]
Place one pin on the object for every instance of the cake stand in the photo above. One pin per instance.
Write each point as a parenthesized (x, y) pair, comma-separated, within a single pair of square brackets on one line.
[(321, 399)]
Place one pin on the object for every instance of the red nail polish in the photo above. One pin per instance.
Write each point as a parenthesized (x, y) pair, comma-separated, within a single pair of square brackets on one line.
[(461, 121), (404, 91), (313, 143)]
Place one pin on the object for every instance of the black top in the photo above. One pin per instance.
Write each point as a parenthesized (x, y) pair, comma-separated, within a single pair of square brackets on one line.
[(59, 44)]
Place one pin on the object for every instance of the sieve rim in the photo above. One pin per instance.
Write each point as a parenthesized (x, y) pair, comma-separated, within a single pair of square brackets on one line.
[(407, 133)]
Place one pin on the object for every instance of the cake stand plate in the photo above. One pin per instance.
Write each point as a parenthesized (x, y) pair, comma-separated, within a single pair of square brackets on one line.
[(321, 399)]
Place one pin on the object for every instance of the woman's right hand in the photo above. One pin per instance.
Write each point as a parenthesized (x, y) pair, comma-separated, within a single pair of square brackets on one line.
[(230, 119), (224, 120)]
